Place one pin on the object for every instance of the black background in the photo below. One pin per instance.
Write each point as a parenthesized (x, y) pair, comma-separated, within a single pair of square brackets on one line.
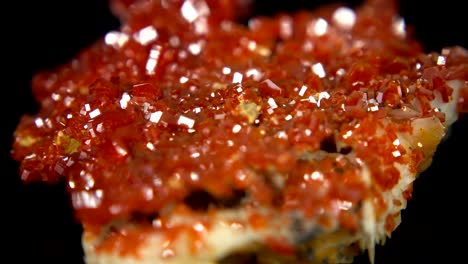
[(37, 221)]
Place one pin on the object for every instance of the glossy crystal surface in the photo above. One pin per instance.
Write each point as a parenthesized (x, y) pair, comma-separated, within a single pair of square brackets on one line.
[(184, 99)]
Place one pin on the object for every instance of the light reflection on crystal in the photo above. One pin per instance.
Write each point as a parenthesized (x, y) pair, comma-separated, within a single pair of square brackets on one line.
[(69, 162), (396, 142), (83, 155), (191, 10), (155, 116), (183, 120), (347, 134), (372, 105), (344, 205), (124, 100), (236, 128), (48, 122), (71, 184), (120, 150), (286, 27), (396, 153), (303, 90), (340, 72), (219, 116), (282, 135), (226, 70), (188, 11), (157, 181), (399, 27), (152, 62), (251, 45), (345, 17), (55, 96), (272, 103), (194, 176), (68, 100), (39, 122), (379, 97), (91, 132), (237, 78), (146, 107), (116, 39), (318, 69), (254, 74), (183, 79), (89, 180), (87, 199), (96, 112), (318, 27), (318, 97), (263, 51), (201, 25), (195, 48), (167, 253), (199, 227), (441, 60), (150, 146), (157, 223), (148, 193), (25, 174), (146, 35), (317, 176), (272, 85)]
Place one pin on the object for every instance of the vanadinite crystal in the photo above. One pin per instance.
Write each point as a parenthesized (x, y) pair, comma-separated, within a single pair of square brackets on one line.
[(183, 99)]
